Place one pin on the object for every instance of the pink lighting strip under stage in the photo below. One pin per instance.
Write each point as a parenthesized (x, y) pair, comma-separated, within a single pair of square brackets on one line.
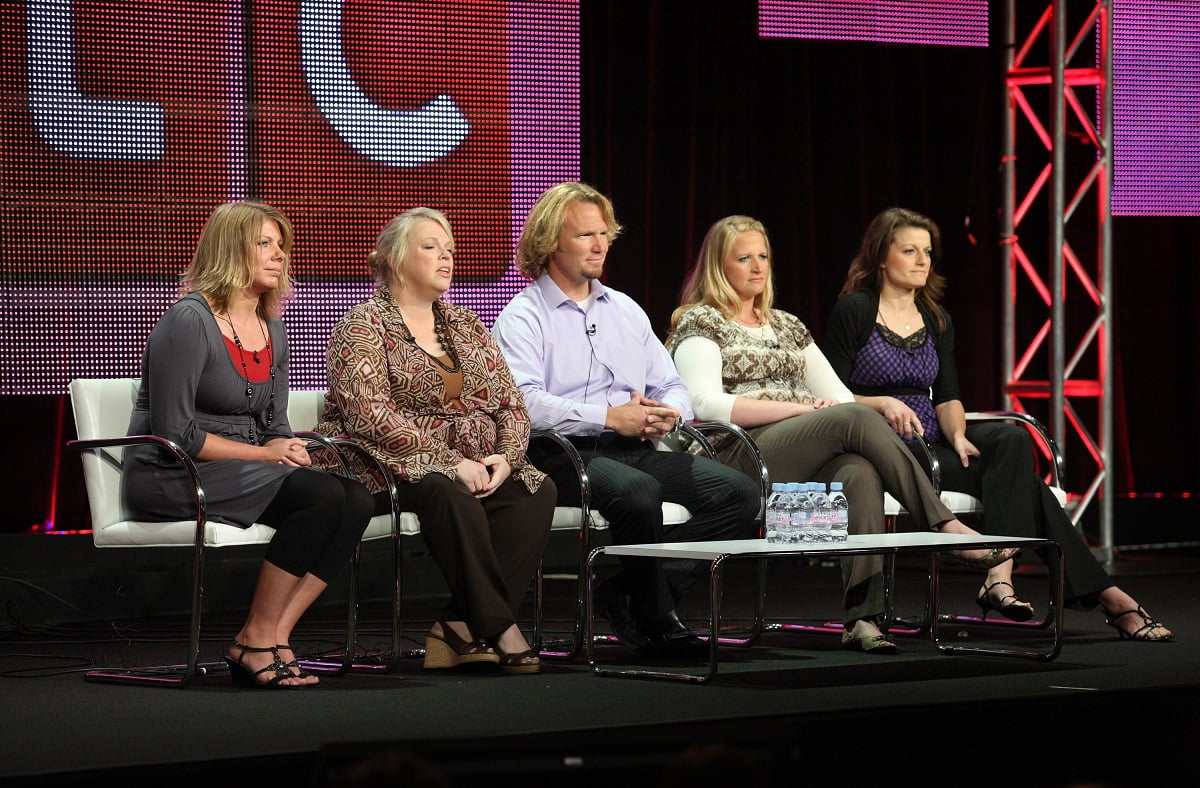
[(127, 122), (940, 22), (1156, 108)]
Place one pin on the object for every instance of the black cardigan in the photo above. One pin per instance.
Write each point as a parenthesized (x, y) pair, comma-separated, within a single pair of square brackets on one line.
[(850, 326)]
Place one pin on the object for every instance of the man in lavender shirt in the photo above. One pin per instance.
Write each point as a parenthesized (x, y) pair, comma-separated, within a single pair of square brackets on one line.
[(591, 367)]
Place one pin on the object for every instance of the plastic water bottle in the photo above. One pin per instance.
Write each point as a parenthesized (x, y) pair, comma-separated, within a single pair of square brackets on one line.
[(803, 521), (819, 529), (774, 511), (787, 514), (839, 509)]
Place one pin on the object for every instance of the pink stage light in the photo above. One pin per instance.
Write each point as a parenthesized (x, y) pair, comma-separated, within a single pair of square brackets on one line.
[(946, 22)]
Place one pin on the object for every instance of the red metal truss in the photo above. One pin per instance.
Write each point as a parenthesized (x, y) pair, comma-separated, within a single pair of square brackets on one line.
[(1057, 243)]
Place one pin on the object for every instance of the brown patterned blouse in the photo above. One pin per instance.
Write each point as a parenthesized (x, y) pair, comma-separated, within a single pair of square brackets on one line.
[(391, 396)]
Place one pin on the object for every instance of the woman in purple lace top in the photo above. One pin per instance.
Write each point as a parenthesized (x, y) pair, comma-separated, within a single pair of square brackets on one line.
[(892, 343)]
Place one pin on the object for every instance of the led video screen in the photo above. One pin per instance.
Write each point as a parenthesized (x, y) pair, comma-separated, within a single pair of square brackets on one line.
[(127, 122), (944, 22), (1156, 78)]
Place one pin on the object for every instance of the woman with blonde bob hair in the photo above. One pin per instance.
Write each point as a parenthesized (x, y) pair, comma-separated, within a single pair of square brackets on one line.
[(223, 264), (756, 366), (421, 385)]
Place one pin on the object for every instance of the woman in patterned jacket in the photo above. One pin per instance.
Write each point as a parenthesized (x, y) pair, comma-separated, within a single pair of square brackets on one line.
[(423, 387), (758, 367)]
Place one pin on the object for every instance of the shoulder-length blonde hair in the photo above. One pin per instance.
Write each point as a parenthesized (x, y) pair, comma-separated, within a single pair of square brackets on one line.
[(866, 269), (224, 261), (395, 239), (539, 236), (707, 284)]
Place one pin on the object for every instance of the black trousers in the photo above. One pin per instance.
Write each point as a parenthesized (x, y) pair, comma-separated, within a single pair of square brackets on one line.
[(1017, 502), (319, 519), (630, 480)]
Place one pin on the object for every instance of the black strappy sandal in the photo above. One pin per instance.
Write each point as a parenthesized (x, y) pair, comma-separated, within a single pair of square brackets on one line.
[(242, 677), (1009, 605), (300, 673), (1142, 633), (526, 661)]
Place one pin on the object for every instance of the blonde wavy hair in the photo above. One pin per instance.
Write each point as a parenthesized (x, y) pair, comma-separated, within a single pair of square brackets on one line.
[(395, 239), (539, 236), (707, 285), (224, 262)]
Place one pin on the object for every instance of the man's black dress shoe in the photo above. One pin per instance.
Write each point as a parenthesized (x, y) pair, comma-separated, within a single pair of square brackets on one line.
[(669, 636), (617, 606)]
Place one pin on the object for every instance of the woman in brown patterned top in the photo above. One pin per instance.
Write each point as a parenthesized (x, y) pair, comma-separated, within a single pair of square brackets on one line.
[(423, 387), (758, 367)]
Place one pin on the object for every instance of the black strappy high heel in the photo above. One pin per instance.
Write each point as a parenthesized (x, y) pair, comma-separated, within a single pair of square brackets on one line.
[(1143, 632), (1009, 605)]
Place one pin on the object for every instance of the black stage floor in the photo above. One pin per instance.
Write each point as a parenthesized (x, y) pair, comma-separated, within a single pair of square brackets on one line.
[(793, 710)]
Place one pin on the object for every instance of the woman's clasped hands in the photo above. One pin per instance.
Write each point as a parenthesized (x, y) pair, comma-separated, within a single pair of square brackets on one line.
[(288, 451), (483, 477)]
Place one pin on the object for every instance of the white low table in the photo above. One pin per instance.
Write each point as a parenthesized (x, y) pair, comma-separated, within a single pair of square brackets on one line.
[(717, 553)]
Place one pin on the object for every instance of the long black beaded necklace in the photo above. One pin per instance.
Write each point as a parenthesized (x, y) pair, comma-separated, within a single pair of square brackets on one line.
[(246, 374), (443, 338)]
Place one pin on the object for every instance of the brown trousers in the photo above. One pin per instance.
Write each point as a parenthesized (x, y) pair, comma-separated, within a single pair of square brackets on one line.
[(486, 548)]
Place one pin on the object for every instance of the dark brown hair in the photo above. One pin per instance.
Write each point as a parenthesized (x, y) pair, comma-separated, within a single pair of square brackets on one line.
[(866, 268)]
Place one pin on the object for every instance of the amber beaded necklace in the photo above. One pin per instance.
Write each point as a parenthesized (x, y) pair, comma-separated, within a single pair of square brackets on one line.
[(443, 338)]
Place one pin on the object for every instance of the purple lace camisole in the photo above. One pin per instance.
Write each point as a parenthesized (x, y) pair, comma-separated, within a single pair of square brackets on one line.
[(888, 360)]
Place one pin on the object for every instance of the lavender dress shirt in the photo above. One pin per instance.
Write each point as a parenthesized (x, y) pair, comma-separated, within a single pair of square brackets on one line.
[(573, 362)]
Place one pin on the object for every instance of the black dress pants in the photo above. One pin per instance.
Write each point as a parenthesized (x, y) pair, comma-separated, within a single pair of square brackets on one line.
[(1016, 502), (630, 480)]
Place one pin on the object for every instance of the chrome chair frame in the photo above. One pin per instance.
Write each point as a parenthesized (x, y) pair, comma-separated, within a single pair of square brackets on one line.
[(101, 456)]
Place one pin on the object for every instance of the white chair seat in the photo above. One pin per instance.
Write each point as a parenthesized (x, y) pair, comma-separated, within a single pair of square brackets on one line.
[(566, 518), (958, 502), (133, 533), (409, 525), (102, 409)]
